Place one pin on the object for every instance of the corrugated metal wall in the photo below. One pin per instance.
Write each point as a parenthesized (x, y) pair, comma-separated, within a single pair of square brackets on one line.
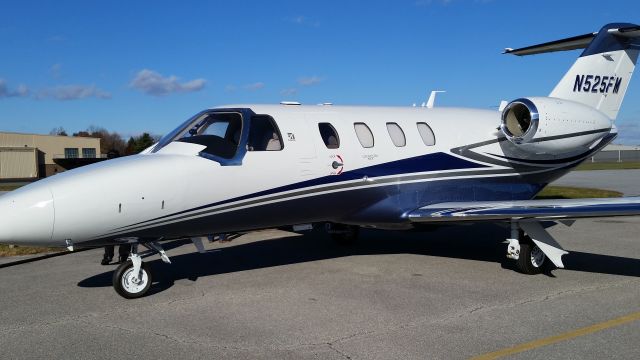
[(18, 163), (16, 140)]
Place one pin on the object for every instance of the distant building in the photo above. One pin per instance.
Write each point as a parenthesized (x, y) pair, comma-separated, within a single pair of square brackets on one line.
[(619, 147), (33, 156), (617, 153)]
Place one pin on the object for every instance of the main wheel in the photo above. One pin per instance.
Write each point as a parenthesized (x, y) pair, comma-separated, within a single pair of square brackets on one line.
[(532, 260), (127, 284)]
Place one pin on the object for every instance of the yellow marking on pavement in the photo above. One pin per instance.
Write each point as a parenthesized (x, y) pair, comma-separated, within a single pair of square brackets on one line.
[(558, 338)]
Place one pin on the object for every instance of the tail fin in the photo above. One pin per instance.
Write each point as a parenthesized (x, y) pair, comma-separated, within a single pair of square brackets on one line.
[(601, 75)]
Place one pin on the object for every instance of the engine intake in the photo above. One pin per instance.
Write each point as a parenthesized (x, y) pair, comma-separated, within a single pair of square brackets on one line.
[(520, 120), (553, 126)]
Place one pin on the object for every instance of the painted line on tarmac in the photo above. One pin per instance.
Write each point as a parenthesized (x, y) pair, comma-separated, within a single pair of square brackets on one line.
[(559, 338)]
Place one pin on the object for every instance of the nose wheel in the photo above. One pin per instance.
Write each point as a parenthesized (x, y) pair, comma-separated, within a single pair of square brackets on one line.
[(129, 282), (132, 279)]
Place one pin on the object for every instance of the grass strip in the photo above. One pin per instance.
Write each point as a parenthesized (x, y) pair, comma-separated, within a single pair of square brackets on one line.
[(6, 250), (566, 192), (609, 165)]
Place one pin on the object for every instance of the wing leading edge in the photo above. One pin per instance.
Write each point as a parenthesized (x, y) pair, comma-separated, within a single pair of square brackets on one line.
[(560, 209)]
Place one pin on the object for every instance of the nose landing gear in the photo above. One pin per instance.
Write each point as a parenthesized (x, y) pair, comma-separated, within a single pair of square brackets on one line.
[(133, 278), (131, 281)]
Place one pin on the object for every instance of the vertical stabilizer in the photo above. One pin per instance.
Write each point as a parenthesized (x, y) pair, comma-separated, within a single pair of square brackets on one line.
[(600, 77)]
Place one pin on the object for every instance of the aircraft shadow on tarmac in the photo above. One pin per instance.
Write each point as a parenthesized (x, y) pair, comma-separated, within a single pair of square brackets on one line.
[(460, 242)]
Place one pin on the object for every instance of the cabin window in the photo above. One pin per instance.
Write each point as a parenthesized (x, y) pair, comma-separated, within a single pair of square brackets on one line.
[(219, 132), (365, 136), (264, 134), (426, 134), (396, 134), (329, 135)]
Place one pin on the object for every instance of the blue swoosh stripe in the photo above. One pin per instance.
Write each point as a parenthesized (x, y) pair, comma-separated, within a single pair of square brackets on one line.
[(424, 163)]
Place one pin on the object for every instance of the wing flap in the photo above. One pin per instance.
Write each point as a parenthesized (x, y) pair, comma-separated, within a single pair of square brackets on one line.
[(561, 209)]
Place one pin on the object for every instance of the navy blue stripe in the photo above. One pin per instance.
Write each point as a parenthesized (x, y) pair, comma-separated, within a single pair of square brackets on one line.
[(424, 163), (364, 206)]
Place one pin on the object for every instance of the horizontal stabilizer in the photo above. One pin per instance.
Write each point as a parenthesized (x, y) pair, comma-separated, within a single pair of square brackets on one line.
[(629, 31), (572, 43), (559, 209)]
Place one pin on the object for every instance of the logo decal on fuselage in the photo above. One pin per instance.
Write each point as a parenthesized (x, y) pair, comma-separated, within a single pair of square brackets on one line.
[(597, 84), (337, 165)]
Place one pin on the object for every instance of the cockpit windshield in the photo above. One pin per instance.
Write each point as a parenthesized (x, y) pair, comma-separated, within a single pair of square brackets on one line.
[(218, 131)]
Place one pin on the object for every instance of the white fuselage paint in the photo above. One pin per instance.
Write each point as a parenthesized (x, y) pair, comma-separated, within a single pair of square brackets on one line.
[(104, 200)]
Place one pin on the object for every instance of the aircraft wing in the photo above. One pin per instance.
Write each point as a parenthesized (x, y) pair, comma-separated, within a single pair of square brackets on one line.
[(561, 209)]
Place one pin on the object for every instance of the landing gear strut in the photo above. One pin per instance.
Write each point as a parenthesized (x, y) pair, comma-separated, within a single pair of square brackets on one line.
[(534, 251), (133, 278), (343, 234)]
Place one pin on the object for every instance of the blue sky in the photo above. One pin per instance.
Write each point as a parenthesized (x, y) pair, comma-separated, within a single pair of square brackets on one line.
[(134, 66)]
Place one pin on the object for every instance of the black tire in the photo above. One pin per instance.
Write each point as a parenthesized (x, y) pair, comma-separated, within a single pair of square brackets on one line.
[(122, 280), (345, 234), (532, 260)]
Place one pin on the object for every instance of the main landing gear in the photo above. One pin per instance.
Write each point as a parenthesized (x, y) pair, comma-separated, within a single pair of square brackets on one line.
[(533, 248), (343, 234)]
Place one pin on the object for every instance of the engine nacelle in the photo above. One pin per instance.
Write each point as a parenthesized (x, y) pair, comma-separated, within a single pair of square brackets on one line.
[(545, 125)]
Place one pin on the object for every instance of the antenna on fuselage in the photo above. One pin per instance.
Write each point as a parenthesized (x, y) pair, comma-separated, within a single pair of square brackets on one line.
[(432, 98)]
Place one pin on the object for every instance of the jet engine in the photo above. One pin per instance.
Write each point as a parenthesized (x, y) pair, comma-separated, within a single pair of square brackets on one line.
[(551, 125)]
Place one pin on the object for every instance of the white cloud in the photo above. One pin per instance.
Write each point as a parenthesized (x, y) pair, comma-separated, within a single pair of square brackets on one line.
[(249, 87), (73, 92), (310, 80), (303, 20), (20, 91), (56, 71), (254, 86), (289, 92), (153, 83)]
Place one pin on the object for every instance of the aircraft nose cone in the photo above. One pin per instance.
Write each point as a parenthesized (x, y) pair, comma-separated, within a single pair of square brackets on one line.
[(27, 216)]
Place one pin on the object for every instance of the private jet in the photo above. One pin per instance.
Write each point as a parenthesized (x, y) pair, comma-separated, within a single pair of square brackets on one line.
[(245, 167)]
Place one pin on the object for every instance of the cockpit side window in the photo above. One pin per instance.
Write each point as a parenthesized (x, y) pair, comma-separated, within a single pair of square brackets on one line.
[(219, 132), (264, 134)]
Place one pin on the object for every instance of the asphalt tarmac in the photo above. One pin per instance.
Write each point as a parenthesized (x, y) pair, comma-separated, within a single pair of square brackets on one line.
[(449, 293), (625, 181)]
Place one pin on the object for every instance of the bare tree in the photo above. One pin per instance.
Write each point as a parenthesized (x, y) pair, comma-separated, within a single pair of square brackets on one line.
[(110, 142), (58, 131)]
